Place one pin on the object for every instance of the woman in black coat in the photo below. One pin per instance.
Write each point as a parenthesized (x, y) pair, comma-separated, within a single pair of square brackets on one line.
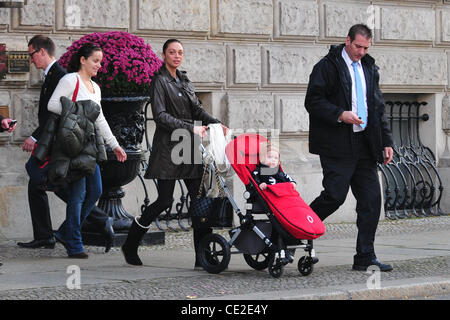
[(180, 119)]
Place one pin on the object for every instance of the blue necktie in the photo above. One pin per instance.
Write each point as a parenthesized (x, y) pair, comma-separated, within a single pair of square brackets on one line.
[(359, 96)]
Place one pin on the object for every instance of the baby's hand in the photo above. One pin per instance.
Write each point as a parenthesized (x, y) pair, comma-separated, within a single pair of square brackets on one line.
[(263, 186)]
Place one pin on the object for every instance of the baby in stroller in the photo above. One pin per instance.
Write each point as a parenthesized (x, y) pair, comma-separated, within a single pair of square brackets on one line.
[(268, 171), (289, 221)]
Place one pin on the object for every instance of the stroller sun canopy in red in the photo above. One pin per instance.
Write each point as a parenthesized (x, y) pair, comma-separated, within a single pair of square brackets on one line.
[(243, 154)]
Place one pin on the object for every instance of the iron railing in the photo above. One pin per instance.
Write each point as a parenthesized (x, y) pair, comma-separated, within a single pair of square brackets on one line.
[(411, 182)]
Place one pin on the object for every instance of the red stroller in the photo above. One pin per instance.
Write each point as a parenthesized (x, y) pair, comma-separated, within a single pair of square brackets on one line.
[(269, 243)]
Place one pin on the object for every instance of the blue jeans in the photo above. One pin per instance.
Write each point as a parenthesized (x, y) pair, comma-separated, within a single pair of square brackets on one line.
[(82, 197)]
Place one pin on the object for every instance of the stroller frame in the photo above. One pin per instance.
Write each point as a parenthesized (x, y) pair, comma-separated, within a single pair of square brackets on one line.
[(214, 250)]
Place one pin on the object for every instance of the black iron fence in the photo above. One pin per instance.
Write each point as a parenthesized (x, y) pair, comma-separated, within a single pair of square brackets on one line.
[(411, 182)]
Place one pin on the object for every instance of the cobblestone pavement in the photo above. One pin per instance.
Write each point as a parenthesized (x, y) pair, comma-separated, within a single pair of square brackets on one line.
[(229, 283), (183, 239), (199, 284)]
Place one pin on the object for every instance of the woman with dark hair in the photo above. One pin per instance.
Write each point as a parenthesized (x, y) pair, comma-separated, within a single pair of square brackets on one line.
[(83, 191), (174, 106)]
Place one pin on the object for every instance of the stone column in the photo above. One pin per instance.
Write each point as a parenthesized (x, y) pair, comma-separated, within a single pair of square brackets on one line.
[(444, 160)]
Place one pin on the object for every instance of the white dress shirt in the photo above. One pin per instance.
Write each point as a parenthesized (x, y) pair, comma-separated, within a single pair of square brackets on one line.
[(66, 87), (348, 62), (48, 68)]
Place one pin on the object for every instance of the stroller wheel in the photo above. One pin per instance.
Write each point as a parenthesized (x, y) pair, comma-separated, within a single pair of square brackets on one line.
[(258, 261), (275, 267), (305, 265), (214, 253)]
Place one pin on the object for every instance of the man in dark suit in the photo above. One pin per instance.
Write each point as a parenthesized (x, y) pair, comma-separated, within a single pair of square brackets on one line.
[(42, 53), (349, 131)]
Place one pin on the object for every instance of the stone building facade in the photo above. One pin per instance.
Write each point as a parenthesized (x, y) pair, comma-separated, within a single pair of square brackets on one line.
[(250, 61)]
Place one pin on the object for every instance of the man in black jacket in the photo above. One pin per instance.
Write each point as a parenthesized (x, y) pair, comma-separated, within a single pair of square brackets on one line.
[(41, 50), (349, 131)]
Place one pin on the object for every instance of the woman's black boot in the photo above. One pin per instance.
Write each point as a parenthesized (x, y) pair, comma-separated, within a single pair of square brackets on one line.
[(131, 245), (199, 234)]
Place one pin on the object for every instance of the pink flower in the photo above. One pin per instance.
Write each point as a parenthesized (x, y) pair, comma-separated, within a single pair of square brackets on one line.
[(128, 62)]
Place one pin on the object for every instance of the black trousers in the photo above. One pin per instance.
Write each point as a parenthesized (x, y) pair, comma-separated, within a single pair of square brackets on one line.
[(360, 174), (40, 213), (164, 201)]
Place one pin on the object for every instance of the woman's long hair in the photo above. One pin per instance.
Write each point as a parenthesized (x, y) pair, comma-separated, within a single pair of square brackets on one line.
[(85, 51)]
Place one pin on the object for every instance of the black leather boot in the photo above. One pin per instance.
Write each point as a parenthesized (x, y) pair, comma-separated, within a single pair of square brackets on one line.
[(199, 234), (131, 245), (108, 233)]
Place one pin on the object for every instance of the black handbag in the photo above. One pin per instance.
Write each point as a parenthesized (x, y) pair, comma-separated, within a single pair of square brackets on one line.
[(211, 212)]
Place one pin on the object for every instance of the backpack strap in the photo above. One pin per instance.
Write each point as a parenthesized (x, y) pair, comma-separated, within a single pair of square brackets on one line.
[(75, 93)]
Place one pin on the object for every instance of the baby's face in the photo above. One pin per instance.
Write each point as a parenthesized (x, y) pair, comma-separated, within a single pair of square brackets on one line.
[(272, 159)]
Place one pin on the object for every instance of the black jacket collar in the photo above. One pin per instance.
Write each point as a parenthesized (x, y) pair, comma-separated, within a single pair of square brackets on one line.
[(335, 53), (164, 72), (56, 67)]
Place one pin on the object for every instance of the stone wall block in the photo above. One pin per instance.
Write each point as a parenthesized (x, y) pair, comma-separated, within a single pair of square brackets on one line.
[(38, 13), (291, 65), (5, 100), (244, 65), (448, 69), (297, 18), (445, 25), (176, 15), (293, 115), (408, 23), (61, 43), (5, 17), (244, 17), (205, 63), (106, 14), (156, 45), (14, 43), (250, 112), (26, 107), (340, 16), (407, 67)]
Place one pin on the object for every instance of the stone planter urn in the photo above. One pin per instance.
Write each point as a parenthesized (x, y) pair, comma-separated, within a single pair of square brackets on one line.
[(126, 120)]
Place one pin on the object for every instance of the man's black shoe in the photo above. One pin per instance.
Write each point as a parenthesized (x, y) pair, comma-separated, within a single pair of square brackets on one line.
[(374, 262), (108, 233), (47, 244)]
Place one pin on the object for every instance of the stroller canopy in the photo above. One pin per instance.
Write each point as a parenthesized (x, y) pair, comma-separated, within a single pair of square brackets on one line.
[(243, 154)]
